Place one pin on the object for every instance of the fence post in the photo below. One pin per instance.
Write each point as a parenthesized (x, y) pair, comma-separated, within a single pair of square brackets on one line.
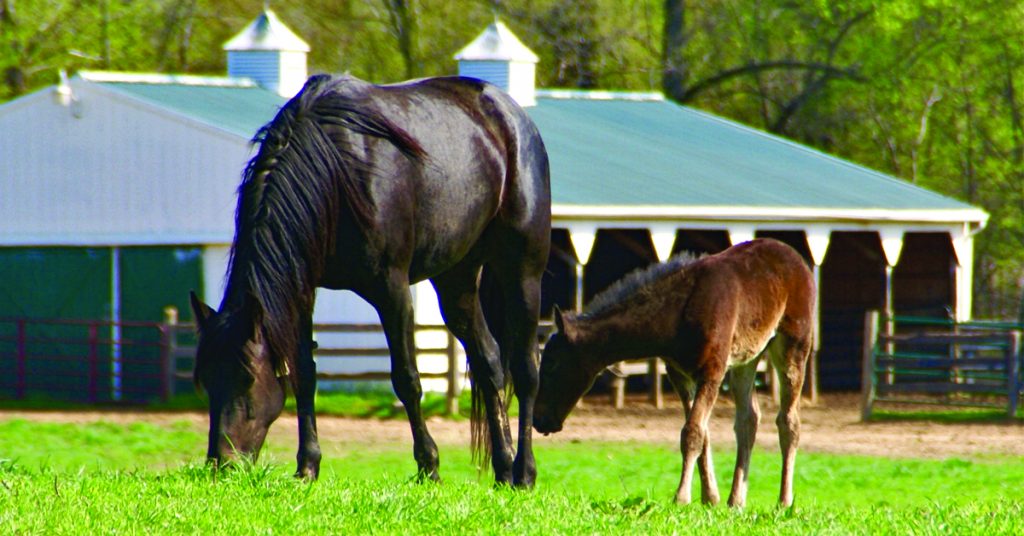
[(867, 377), (22, 357), (1013, 373), (169, 334), (654, 370), (94, 361), (452, 407)]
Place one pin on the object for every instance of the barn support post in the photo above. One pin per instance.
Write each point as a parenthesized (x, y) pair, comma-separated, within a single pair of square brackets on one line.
[(892, 246), (867, 377), (582, 238), (115, 323), (22, 358), (818, 239)]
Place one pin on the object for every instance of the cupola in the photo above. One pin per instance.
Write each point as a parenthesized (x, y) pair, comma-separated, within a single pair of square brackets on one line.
[(499, 57), (270, 54)]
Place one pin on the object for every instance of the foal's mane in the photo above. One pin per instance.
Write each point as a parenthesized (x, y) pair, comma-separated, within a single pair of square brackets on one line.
[(637, 284), (308, 170)]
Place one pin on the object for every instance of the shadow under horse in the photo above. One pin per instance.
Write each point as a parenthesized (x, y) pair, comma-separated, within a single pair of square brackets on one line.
[(372, 188), (705, 317)]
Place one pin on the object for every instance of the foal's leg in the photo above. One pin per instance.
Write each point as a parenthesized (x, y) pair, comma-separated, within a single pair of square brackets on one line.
[(458, 294), (305, 393), (396, 315), (747, 416), (685, 388), (695, 432), (790, 361)]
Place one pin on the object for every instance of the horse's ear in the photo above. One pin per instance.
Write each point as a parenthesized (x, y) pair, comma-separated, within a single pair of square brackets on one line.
[(200, 310)]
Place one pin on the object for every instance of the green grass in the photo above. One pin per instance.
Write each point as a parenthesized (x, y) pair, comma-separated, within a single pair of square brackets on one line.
[(143, 478)]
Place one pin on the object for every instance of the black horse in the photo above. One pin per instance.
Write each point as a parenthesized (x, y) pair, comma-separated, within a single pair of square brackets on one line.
[(372, 188)]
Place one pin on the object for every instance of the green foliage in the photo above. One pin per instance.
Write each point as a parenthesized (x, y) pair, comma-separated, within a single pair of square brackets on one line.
[(152, 486)]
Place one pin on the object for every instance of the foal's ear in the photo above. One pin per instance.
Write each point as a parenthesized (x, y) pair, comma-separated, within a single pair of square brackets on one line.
[(564, 324), (200, 310)]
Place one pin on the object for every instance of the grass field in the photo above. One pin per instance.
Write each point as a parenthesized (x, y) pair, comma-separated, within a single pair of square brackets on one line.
[(142, 478)]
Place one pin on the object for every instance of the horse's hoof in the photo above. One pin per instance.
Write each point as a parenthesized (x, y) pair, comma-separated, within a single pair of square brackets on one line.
[(308, 473)]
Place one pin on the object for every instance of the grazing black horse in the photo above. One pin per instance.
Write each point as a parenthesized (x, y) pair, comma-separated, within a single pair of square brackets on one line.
[(372, 188), (705, 317)]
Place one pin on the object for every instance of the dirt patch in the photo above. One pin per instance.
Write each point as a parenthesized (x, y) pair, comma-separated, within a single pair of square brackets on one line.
[(831, 426)]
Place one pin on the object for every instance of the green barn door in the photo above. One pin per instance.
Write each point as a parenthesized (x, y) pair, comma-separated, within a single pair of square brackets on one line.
[(61, 360), (152, 278)]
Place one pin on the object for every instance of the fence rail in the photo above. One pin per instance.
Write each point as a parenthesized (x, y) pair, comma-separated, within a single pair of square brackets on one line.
[(939, 362)]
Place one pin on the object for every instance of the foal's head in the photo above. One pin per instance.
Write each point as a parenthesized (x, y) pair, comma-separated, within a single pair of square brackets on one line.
[(233, 367), (565, 376)]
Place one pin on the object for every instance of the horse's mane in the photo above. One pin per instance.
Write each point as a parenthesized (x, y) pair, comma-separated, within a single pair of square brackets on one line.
[(637, 284), (293, 192)]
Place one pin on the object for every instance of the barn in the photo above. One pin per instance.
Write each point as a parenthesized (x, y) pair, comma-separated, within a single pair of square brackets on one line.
[(118, 194)]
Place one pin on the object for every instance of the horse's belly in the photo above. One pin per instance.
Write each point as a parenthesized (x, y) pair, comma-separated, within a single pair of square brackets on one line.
[(746, 347)]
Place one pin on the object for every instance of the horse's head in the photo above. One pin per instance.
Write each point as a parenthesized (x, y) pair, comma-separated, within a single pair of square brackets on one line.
[(235, 370), (564, 376)]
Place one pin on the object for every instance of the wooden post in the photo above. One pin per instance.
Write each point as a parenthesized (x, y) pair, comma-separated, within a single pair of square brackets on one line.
[(168, 351), (1013, 373), (867, 377), (452, 395), (618, 386), (654, 372)]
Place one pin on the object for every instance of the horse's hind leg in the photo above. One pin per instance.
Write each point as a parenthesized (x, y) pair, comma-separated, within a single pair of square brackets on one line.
[(396, 315), (685, 388), (747, 416), (521, 297), (790, 360), (458, 294)]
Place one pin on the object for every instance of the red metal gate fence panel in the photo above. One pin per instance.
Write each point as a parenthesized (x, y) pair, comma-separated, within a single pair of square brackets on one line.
[(82, 360)]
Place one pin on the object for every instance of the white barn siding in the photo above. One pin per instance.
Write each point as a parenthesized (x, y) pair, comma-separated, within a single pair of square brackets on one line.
[(128, 182)]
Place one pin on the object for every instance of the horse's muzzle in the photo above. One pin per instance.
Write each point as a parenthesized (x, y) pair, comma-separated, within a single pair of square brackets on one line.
[(546, 425)]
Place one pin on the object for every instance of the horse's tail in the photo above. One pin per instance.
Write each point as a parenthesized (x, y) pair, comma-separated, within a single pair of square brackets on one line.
[(492, 303), (293, 194)]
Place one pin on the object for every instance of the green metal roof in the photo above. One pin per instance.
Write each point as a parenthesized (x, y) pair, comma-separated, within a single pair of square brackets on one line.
[(654, 152), (239, 110), (624, 152)]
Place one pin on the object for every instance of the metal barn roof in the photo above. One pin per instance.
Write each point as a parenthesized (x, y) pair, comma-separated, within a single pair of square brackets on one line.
[(638, 155), (638, 152), (238, 106)]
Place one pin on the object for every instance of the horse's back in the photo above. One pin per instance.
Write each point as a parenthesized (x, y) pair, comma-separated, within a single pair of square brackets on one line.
[(484, 167), (751, 291)]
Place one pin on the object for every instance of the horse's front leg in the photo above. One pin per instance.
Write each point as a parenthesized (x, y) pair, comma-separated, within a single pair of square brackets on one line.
[(694, 438), (686, 390), (748, 415), (396, 315), (305, 405)]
